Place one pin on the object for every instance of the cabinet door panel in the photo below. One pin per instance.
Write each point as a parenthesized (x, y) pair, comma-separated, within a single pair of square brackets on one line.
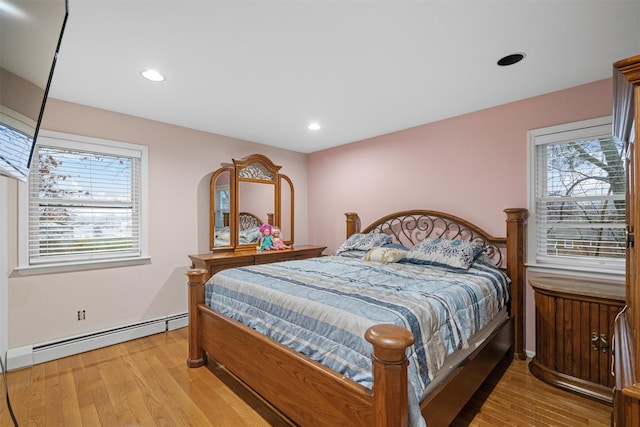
[(566, 356), (591, 355), (576, 355), (560, 350)]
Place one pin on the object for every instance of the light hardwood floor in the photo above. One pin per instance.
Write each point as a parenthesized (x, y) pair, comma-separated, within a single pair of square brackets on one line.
[(146, 382)]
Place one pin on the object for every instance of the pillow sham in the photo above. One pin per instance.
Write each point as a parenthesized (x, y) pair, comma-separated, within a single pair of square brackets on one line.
[(484, 259), (395, 245), (443, 252), (384, 255), (357, 254), (363, 242)]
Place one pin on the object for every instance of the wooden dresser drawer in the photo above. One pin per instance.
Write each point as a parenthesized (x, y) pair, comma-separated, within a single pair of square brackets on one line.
[(218, 261)]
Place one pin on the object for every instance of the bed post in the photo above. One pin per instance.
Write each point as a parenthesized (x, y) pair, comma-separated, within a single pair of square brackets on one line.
[(516, 238), (353, 223), (390, 398), (196, 296)]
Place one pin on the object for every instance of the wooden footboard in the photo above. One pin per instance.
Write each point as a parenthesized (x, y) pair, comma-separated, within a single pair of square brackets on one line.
[(442, 405), (324, 397)]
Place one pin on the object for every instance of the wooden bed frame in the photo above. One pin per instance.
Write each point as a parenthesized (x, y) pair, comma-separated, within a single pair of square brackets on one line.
[(310, 394), (247, 220)]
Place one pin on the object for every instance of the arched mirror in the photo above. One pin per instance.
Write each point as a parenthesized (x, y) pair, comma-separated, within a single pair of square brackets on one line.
[(220, 210), (244, 197)]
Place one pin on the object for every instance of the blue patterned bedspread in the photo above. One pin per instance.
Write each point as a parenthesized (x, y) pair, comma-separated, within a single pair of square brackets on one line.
[(322, 307)]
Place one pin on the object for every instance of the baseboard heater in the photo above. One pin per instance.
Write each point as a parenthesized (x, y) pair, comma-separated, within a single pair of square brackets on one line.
[(40, 353)]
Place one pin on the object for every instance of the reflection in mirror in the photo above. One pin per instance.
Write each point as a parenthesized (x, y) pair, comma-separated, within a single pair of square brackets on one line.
[(221, 208), (286, 209), (245, 195), (256, 204)]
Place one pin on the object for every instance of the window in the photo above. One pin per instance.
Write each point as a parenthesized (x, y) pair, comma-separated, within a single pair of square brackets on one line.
[(86, 204), (577, 198), (223, 202)]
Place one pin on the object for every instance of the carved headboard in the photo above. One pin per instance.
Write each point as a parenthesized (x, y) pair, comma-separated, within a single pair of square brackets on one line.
[(409, 227)]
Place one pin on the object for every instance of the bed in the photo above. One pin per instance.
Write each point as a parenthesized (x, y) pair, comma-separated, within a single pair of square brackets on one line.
[(309, 393), (248, 229)]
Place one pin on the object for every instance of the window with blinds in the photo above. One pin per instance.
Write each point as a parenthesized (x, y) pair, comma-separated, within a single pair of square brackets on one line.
[(85, 201), (577, 192)]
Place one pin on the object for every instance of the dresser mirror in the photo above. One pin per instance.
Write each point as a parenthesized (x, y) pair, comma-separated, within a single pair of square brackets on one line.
[(245, 195), (220, 209)]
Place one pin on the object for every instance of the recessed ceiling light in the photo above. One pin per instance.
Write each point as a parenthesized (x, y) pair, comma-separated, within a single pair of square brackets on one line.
[(314, 126), (511, 59), (153, 75)]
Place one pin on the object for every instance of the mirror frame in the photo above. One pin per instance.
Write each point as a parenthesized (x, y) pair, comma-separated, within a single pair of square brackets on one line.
[(290, 186), (255, 168), (212, 207)]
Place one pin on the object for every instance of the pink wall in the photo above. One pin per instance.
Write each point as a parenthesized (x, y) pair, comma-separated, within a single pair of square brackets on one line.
[(20, 95), (473, 166), (181, 162)]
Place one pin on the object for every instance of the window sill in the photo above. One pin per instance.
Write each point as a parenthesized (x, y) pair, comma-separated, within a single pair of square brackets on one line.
[(81, 266), (591, 273)]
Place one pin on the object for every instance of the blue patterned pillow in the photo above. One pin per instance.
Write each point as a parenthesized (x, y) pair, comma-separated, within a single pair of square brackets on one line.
[(363, 242), (443, 252)]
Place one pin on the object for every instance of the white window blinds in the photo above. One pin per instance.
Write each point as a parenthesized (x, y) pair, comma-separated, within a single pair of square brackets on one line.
[(579, 198), (84, 203)]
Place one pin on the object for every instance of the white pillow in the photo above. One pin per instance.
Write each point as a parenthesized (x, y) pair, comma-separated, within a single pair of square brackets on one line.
[(384, 255)]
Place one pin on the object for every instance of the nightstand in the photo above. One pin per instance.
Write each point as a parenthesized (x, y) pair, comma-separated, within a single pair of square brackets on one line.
[(574, 328)]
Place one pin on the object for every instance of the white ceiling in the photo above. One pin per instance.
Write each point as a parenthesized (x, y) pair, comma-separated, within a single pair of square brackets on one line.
[(263, 70)]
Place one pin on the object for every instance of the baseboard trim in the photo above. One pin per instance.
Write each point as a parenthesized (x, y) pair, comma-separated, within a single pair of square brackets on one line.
[(22, 357)]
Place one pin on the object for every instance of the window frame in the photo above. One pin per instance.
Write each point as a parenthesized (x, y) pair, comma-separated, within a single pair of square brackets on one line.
[(95, 145), (583, 129)]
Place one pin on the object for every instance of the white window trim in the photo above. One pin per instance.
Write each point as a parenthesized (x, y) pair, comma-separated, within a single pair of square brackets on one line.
[(543, 135), (71, 141)]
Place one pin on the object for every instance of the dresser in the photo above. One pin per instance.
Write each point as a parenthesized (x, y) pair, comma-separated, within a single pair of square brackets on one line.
[(217, 261), (574, 329)]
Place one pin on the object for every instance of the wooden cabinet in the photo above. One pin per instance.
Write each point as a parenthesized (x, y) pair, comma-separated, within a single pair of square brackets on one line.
[(217, 261), (626, 110), (574, 331)]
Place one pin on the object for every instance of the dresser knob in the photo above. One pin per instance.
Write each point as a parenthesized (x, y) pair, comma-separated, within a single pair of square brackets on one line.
[(595, 341), (604, 343), (599, 342)]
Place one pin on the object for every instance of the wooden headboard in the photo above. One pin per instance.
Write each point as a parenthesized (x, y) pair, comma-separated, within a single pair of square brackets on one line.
[(409, 227), (249, 220)]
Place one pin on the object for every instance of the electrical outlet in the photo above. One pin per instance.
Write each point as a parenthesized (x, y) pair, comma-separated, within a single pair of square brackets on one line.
[(81, 315)]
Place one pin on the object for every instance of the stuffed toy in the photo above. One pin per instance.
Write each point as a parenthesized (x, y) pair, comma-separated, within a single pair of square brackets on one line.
[(277, 241), (266, 240)]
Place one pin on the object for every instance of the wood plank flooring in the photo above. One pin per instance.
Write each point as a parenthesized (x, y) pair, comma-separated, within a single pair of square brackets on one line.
[(146, 382)]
